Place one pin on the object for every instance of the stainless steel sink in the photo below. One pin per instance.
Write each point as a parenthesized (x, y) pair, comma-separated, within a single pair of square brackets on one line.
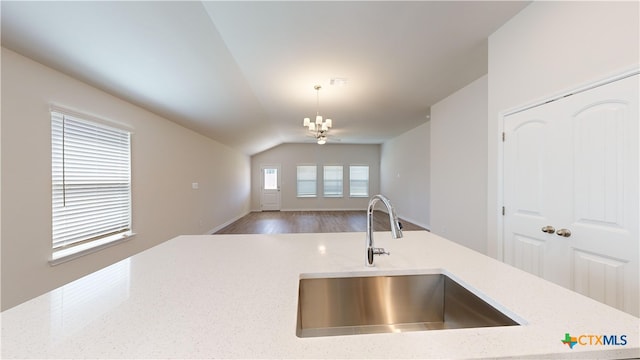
[(384, 304)]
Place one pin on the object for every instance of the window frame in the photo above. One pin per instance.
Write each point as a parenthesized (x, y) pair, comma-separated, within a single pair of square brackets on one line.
[(324, 181), (69, 126), (366, 195), (273, 185), (315, 181)]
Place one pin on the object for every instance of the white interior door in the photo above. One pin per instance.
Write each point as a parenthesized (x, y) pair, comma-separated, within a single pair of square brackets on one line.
[(572, 166), (531, 193), (270, 188)]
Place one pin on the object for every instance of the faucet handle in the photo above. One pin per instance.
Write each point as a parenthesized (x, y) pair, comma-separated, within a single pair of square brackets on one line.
[(380, 251), (371, 251)]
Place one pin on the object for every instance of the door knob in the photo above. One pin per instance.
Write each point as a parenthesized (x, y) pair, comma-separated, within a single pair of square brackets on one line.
[(549, 229), (564, 232)]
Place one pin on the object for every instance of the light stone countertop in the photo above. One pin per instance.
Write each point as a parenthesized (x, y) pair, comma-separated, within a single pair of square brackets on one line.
[(235, 296)]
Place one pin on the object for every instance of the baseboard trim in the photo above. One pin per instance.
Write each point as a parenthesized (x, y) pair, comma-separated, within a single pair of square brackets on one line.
[(226, 223), (413, 221)]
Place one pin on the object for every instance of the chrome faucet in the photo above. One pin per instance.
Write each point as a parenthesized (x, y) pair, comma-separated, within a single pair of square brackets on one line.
[(396, 227)]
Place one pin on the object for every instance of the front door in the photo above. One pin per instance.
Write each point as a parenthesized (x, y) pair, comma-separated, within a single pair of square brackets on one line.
[(571, 192), (270, 192)]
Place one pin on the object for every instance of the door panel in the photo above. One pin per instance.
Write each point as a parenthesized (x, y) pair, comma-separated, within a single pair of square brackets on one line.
[(601, 278), (573, 164), (528, 254), (599, 139), (530, 157)]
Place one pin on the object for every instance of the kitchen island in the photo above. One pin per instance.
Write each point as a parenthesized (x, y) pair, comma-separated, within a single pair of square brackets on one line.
[(235, 296)]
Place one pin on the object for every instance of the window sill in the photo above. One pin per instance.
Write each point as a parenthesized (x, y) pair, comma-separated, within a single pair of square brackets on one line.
[(61, 256)]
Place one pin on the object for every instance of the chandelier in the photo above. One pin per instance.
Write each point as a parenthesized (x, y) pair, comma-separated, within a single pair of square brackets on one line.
[(318, 128)]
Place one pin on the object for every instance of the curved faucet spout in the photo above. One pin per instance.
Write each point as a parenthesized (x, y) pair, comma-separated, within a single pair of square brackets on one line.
[(396, 227)]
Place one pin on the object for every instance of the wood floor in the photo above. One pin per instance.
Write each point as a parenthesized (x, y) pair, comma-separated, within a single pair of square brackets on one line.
[(280, 222)]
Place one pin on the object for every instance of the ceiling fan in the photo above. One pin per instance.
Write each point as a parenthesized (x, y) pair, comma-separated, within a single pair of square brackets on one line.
[(322, 137)]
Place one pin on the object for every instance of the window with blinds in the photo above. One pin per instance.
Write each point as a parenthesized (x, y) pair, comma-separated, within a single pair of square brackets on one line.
[(332, 180), (306, 180), (91, 184), (358, 181)]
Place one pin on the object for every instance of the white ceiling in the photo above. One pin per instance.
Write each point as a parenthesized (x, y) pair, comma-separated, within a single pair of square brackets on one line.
[(243, 73)]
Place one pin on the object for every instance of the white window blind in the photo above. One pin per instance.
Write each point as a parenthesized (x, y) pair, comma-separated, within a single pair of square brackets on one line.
[(91, 182), (333, 180), (306, 179), (358, 181)]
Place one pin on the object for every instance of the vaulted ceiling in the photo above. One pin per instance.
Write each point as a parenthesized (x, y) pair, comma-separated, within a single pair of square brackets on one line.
[(243, 73)]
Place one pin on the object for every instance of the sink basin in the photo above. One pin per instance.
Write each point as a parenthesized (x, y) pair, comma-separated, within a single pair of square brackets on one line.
[(383, 304)]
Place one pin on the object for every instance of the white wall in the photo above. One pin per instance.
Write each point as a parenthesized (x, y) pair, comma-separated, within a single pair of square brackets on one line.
[(547, 48), (459, 166), (289, 156), (166, 159), (405, 174)]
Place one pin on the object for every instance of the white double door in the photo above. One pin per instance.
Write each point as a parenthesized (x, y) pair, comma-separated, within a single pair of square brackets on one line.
[(571, 192)]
